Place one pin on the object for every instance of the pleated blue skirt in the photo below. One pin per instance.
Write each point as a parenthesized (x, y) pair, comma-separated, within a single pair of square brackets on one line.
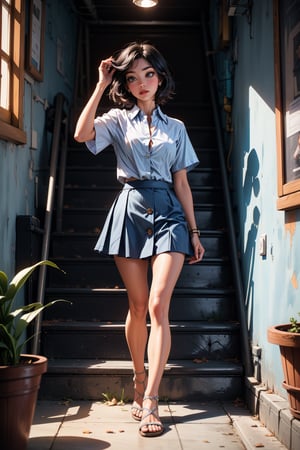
[(145, 219)]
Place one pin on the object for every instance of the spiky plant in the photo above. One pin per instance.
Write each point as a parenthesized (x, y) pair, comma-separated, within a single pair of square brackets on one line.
[(14, 322)]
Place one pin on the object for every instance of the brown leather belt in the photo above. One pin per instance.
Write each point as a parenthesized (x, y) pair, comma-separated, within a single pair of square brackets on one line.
[(130, 179)]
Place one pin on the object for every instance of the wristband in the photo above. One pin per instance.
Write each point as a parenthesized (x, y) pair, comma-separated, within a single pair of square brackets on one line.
[(195, 231)]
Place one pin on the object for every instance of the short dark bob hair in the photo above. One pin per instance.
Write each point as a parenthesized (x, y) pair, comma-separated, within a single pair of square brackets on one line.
[(124, 59)]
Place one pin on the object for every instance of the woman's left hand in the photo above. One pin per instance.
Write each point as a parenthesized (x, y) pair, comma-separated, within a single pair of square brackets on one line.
[(198, 249)]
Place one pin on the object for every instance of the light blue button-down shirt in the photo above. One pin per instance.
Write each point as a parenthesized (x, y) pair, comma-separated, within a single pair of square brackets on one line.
[(129, 134)]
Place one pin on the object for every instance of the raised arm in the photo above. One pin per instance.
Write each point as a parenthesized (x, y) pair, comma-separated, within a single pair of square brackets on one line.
[(85, 125)]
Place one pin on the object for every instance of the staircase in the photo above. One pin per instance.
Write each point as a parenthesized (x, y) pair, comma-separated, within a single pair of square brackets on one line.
[(85, 341)]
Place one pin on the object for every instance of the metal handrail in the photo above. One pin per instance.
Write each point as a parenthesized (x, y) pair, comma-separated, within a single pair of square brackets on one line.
[(246, 354), (58, 122), (62, 174)]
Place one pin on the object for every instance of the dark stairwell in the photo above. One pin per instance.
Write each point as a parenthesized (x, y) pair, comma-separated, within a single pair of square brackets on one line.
[(85, 342)]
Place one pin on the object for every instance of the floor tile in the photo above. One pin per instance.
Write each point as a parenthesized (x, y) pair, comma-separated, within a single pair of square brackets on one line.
[(212, 437), (115, 435), (203, 412)]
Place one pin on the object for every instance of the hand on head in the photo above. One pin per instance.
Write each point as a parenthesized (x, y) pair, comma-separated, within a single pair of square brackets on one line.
[(106, 71)]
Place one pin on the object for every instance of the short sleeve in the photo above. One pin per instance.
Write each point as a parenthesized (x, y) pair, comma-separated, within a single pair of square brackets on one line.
[(186, 157), (105, 127)]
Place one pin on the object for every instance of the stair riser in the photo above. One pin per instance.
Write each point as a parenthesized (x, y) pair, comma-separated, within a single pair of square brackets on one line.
[(192, 113), (82, 246), (204, 178), (84, 158), (99, 177), (103, 198), (92, 177), (97, 274), (202, 138), (111, 345), (202, 309), (205, 275), (212, 218), (114, 309), (173, 388), (208, 157), (74, 247)]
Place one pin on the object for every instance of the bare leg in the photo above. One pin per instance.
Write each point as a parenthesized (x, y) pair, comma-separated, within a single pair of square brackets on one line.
[(166, 268), (134, 274)]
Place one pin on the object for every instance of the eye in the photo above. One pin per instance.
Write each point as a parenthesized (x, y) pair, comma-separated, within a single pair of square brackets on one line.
[(150, 74), (130, 79)]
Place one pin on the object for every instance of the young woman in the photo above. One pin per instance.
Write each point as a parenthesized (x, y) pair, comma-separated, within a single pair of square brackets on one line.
[(152, 219)]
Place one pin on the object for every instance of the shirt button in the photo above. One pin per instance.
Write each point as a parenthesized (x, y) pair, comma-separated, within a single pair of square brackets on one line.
[(149, 211), (149, 231)]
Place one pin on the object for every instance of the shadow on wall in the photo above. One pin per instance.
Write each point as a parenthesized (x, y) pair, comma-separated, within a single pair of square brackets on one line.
[(251, 188)]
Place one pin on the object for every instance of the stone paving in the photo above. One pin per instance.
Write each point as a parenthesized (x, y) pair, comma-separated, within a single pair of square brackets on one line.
[(90, 425)]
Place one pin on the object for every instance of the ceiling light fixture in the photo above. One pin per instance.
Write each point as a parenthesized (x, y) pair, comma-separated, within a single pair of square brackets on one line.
[(145, 3)]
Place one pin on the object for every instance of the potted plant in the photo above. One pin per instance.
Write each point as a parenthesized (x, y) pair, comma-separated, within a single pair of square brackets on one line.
[(20, 374), (287, 336)]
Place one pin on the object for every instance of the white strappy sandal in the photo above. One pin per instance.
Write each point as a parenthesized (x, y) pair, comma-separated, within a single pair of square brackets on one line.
[(135, 407), (151, 412)]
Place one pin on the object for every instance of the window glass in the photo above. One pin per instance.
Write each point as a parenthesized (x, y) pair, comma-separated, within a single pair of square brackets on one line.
[(12, 20), (5, 30), (4, 85)]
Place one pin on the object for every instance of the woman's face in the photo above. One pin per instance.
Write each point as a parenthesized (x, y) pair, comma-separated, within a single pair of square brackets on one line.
[(142, 80)]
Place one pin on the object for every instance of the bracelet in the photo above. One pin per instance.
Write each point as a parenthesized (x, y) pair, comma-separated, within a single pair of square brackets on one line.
[(195, 231)]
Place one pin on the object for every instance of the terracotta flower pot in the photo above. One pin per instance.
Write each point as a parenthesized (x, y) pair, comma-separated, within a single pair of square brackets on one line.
[(289, 344), (19, 387)]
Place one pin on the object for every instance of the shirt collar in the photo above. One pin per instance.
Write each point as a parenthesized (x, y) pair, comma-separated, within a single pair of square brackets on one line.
[(135, 111)]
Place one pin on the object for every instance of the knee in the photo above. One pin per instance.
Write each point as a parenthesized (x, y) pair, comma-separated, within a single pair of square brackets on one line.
[(138, 311), (158, 310)]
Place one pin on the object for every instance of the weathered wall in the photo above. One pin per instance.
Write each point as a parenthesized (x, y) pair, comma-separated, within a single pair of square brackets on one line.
[(272, 291), (21, 166)]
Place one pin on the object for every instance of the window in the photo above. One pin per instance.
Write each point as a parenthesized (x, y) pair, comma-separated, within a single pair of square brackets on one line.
[(287, 84), (12, 70)]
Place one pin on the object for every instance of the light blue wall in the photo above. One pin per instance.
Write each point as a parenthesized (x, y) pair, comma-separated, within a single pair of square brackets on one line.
[(20, 165), (272, 283)]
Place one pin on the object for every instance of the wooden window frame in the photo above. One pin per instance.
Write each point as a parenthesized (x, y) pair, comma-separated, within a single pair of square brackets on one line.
[(11, 120), (288, 191)]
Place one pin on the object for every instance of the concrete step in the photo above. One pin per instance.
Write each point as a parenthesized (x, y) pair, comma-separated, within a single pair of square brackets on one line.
[(112, 305), (190, 340), (103, 197), (183, 380), (81, 245), (102, 273), (97, 176)]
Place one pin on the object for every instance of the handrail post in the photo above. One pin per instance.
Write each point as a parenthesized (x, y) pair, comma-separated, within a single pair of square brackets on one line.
[(62, 173), (59, 104), (246, 354)]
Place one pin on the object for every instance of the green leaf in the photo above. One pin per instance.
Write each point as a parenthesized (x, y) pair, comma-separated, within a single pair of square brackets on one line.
[(13, 324), (3, 283), (25, 319), (21, 277), (8, 345)]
